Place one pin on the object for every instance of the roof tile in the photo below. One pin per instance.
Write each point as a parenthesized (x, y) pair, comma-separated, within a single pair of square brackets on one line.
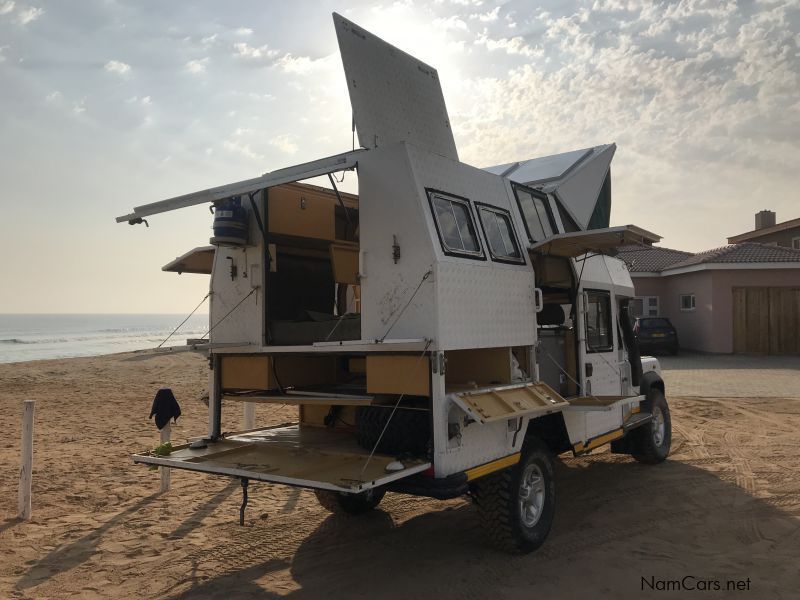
[(655, 259)]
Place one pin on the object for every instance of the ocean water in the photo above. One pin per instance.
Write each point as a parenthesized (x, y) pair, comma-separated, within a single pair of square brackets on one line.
[(34, 337)]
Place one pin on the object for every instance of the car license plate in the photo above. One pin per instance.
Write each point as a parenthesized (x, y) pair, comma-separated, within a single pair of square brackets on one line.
[(659, 335)]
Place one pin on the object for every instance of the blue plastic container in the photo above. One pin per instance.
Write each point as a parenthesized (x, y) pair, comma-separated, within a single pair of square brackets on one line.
[(231, 223)]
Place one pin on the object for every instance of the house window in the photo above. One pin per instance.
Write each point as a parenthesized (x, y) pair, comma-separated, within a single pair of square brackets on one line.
[(687, 302), (455, 225), (796, 243), (500, 234), (644, 306), (598, 322), (536, 213)]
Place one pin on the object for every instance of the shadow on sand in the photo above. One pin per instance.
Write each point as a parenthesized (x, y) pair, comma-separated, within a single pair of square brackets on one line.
[(617, 521), (75, 553)]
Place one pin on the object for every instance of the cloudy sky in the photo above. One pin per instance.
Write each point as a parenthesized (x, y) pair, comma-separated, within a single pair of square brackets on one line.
[(109, 104)]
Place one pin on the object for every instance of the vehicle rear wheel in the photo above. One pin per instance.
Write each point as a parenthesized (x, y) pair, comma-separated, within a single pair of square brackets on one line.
[(351, 504), (651, 443), (517, 505)]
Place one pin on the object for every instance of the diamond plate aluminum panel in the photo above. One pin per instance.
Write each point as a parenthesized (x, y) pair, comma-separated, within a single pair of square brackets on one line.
[(390, 211), (483, 306), (394, 96)]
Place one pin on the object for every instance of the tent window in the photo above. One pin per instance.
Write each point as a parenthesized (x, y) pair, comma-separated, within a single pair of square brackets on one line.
[(500, 235), (455, 225), (536, 213)]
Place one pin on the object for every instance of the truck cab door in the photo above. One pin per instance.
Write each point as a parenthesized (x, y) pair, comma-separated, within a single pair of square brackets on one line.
[(601, 368)]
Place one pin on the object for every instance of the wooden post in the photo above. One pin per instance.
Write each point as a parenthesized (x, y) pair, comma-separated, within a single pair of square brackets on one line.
[(249, 415), (26, 470), (165, 471)]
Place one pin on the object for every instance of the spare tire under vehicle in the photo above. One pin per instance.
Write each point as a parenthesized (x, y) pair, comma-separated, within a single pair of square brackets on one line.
[(408, 432)]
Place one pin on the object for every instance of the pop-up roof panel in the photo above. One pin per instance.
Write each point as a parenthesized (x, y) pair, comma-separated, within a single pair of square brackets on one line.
[(541, 170), (394, 96), (576, 178)]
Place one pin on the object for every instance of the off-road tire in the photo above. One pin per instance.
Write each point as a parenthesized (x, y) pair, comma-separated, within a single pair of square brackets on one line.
[(409, 431), (647, 445), (498, 497), (350, 504)]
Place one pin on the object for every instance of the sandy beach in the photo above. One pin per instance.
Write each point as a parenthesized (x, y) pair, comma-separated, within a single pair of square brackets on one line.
[(726, 506)]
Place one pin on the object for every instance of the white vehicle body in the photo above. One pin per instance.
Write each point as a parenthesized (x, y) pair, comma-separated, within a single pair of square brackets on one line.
[(443, 317)]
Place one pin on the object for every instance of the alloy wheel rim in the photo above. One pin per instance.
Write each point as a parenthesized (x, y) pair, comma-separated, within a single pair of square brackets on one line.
[(658, 426), (531, 495)]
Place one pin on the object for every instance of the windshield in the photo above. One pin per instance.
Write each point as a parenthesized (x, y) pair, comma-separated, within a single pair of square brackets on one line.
[(654, 323)]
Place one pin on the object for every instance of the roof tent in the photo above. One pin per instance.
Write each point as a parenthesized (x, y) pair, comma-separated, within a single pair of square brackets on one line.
[(580, 180)]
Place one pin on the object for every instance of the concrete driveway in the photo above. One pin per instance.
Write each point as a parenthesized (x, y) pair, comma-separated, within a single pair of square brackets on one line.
[(731, 375)]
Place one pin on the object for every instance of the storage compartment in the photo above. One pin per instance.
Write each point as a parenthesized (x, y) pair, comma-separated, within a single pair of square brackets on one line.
[(301, 211), (313, 274), (484, 367), (398, 374), (257, 372)]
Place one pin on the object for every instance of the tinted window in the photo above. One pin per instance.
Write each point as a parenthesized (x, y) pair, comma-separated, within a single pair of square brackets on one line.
[(598, 322), (649, 323), (455, 225), (500, 234), (536, 213)]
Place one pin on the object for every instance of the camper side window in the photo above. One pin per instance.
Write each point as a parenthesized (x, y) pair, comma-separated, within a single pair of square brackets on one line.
[(455, 225), (536, 213), (598, 322), (500, 235)]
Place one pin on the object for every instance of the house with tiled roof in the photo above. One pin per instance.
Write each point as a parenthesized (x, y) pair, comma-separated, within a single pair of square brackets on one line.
[(743, 298), (767, 231)]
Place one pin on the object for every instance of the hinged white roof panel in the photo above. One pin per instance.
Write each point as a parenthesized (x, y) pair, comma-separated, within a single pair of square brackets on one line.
[(540, 170), (394, 96)]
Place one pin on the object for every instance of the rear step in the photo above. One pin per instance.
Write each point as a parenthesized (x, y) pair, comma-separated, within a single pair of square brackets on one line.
[(637, 420)]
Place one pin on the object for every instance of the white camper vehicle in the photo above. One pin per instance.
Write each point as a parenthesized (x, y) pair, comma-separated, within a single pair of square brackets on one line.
[(448, 331)]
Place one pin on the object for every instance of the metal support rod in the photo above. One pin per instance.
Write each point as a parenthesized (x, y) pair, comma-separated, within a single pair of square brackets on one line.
[(165, 471), (245, 481), (341, 202), (251, 195), (26, 468), (248, 415), (215, 401)]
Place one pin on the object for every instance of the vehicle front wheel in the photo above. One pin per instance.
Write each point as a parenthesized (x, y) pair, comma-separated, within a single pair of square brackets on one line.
[(651, 442), (351, 504), (517, 505)]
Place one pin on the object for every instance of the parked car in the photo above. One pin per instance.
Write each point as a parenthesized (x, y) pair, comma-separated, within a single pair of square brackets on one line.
[(656, 333)]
